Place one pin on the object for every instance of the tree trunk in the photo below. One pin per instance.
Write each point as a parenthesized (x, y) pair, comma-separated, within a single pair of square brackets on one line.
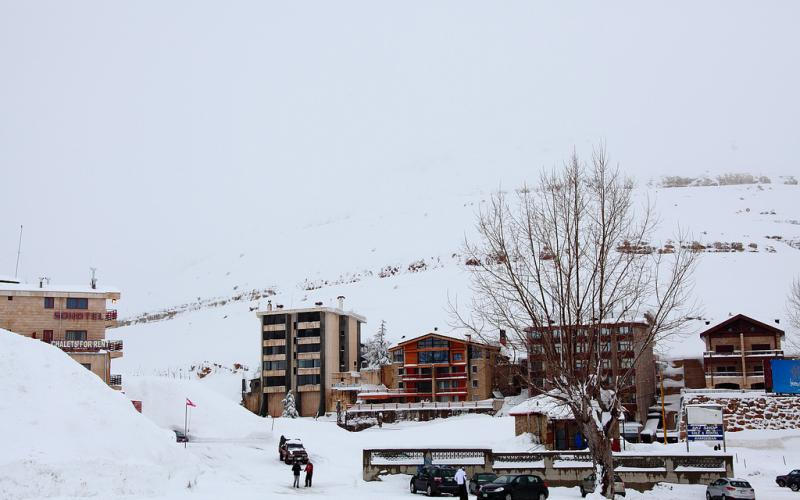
[(600, 446)]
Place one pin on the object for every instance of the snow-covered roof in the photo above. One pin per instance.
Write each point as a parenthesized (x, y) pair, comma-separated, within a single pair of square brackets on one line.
[(543, 404), (334, 310), (34, 288)]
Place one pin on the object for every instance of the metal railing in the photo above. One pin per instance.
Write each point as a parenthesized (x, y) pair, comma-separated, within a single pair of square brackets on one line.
[(115, 380), (764, 352), (486, 404)]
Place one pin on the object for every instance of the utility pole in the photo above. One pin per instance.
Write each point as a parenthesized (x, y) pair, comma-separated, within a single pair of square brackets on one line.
[(19, 250), (663, 404)]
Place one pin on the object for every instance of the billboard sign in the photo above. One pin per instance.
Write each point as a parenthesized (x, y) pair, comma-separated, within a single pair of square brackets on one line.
[(785, 375), (704, 423)]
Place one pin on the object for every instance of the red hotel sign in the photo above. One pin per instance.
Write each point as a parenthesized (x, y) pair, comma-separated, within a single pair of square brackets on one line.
[(84, 315)]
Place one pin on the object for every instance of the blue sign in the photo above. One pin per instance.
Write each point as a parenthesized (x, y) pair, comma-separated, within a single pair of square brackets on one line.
[(704, 432), (785, 376)]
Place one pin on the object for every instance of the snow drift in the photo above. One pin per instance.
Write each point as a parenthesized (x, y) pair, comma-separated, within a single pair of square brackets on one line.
[(65, 432)]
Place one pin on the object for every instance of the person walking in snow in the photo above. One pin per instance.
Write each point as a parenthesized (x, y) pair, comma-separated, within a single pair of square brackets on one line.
[(461, 481), (380, 419), (309, 472), (296, 472)]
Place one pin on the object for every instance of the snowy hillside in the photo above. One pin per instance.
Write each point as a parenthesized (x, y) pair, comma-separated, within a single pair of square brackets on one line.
[(65, 433), (405, 267)]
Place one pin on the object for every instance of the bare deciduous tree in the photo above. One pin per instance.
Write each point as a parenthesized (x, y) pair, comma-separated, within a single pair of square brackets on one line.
[(794, 304), (573, 252)]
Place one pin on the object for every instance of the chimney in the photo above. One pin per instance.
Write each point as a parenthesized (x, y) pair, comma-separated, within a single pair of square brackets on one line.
[(94, 279), (435, 328), (503, 338), (279, 306), (319, 304), (269, 305), (468, 337), (777, 321), (41, 281), (340, 298)]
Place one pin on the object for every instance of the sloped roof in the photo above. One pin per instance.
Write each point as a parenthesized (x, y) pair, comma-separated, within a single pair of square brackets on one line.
[(445, 336), (719, 327), (543, 404)]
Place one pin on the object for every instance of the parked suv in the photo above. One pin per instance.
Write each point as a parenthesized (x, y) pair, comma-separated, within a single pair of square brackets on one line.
[(587, 485), (792, 480), (434, 480), (729, 487), (515, 487), (291, 450), (479, 480)]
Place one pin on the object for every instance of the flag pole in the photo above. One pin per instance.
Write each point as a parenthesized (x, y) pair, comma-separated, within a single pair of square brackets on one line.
[(185, 422)]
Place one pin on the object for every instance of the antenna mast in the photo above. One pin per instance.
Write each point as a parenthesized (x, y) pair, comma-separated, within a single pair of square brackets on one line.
[(19, 250)]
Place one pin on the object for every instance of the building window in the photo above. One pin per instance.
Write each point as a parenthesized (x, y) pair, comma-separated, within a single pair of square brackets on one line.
[(426, 357), (607, 346), (537, 349), (761, 347), (474, 369), (308, 348), (626, 363), (580, 364), (274, 349), (624, 345), (624, 330), (432, 343), (274, 365), (76, 303), (88, 366), (10, 297), (474, 384), (274, 381), (724, 349), (397, 356), (308, 380), (75, 335), (458, 356), (49, 302), (308, 363), (605, 364), (279, 335)]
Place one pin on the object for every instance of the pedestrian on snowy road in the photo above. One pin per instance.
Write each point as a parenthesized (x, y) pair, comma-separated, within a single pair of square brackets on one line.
[(309, 473), (461, 481), (296, 472)]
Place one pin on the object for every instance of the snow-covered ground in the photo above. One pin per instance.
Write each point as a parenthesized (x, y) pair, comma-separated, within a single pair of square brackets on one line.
[(66, 435)]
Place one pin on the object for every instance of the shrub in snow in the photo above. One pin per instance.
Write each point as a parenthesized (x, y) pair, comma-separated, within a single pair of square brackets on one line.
[(289, 410)]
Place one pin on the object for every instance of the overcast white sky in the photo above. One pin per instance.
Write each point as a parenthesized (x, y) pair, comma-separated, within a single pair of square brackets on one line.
[(135, 130)]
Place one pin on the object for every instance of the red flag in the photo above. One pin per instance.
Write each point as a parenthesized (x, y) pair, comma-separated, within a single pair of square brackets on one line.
[(189, 403)]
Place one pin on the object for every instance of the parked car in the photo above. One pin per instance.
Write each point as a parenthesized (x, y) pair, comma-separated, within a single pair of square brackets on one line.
[(515, 487), (434, 480), (730, 487), (291, 450), (792, 480), (587, 485), (180, 436), (479, 480)]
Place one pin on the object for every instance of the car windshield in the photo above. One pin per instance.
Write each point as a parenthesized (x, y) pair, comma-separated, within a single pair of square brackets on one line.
[(740, 484), (485, 477), (294, 446), (503, 479), (444, 473)]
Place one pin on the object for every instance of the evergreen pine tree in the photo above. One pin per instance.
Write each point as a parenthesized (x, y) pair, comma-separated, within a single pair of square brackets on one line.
[(376, 352), (289, 410)]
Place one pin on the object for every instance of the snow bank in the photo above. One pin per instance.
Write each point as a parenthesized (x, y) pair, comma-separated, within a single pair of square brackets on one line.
[(64, 432)]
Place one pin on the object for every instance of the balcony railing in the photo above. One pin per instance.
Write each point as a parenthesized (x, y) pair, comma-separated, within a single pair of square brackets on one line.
[(115, 380), (717, 375), (764, 352)]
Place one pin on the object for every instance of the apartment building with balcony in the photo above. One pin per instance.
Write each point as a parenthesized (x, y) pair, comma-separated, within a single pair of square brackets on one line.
[(72, 318), (303, 350), (736, 351), (616, 348), (442, 368)]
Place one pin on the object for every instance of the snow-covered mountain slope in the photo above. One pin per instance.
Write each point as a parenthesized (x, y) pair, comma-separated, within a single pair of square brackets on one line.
[(405, 266), (66, 434)]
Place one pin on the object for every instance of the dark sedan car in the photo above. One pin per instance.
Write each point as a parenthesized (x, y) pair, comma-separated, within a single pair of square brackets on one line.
[(434, 480), (515, 487), (479, 480), (792, 480)]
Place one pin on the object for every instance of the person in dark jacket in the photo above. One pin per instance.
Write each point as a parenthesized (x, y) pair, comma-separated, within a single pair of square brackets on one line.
[(309, 472), (296, 472)]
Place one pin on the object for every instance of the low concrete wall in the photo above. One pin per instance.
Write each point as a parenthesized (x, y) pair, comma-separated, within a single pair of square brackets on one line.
[(559, 468)]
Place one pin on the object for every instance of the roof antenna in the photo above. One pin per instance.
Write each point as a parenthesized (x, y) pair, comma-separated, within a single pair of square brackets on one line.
[(94, 280), (19, 250)]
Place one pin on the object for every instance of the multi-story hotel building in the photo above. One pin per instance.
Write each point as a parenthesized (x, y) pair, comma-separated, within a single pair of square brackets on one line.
[(303, 350), (736, 350), (618, 345), (71, 318), (436, 367)]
